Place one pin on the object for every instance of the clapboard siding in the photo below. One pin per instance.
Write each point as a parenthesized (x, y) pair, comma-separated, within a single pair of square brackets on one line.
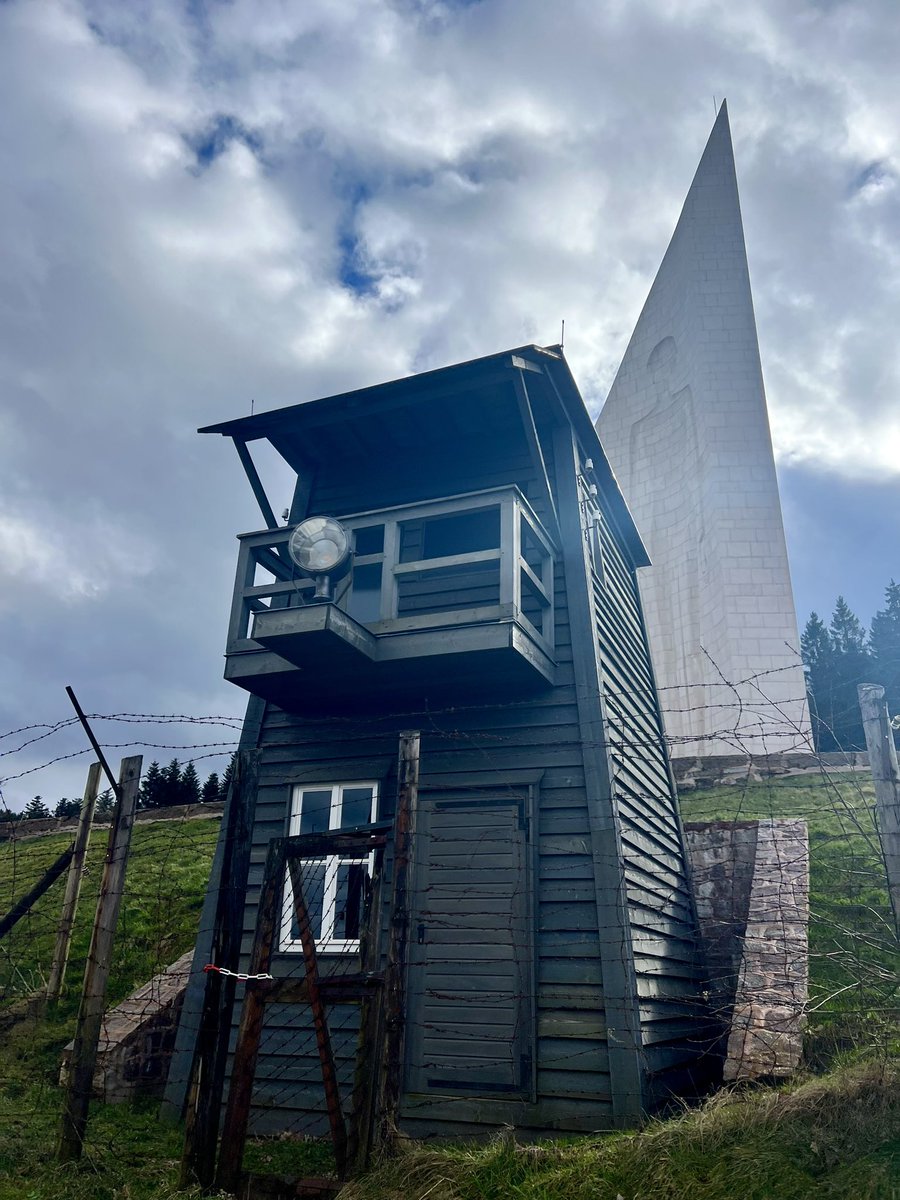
[(663, 922), (465, 750)]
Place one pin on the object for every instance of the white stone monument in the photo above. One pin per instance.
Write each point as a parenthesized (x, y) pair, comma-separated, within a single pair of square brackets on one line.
[(686, 431)]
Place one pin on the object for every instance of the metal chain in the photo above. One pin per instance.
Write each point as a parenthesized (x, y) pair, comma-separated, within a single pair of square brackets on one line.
[(240, 976)]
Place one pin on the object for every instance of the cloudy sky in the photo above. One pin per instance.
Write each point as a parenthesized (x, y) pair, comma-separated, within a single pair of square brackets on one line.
[(208, 205)]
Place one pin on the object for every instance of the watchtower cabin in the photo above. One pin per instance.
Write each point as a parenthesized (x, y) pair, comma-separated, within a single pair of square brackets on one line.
[(489, 602)]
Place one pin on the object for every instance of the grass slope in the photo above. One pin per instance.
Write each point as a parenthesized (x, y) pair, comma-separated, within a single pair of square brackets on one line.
[(164, 885), (833, 1136), (129, 1154)]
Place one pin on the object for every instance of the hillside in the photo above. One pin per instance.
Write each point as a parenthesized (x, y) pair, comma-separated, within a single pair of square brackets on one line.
[(836, 1134), (165, 882)]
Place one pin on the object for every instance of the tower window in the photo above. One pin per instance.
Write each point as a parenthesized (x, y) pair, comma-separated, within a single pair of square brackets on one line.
[(334, 887)]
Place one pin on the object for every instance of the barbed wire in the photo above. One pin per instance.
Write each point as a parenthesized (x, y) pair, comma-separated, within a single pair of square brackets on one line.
[(852, 952)]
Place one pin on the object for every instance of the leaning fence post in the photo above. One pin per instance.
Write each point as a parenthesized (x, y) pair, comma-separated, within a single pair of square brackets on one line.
[(96, 973), (73, 885), (371, 1010), (28, 901), (886, 777), (320, 1023)]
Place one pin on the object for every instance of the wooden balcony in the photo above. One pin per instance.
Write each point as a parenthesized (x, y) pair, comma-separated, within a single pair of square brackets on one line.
[(445, 600)]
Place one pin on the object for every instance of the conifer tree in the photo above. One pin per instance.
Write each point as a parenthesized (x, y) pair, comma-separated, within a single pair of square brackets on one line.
[(818, 661), (227, 778), (209, 793), (851, 666), (35, 809), (152, 793), (190, 785), (106, 803), (884, 641), (171, 776), (67, 808)]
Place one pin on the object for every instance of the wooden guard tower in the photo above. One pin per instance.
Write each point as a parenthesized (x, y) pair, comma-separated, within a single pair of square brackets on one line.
[(550, 978)]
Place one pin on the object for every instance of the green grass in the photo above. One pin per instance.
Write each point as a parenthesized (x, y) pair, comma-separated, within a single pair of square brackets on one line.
[(129, 1155), (833, 1136), (165, 881)]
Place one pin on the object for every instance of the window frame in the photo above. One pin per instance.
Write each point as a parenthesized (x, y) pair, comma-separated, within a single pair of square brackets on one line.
[(327, 944)]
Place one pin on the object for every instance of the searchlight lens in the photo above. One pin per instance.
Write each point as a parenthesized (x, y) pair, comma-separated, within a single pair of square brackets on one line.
[(319, 546)]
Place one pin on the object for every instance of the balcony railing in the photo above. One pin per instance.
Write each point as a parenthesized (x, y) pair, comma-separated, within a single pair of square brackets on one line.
[(467, 560)]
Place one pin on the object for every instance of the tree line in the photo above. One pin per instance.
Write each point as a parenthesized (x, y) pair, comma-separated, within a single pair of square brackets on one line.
[(843, 654), (161, 787)]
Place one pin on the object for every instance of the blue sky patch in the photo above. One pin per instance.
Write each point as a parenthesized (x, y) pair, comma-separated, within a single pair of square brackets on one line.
[(873, 175), (351, 270), (218, 135)]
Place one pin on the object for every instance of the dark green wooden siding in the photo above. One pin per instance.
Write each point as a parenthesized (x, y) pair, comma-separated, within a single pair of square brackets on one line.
[(516, 753), (663, 922), (488, 750)]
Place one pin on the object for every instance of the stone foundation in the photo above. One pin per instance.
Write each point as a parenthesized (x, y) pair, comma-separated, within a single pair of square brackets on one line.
[(751, 885), (137, 1038)]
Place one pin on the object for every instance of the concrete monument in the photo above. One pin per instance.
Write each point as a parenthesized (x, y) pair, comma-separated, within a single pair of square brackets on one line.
[(687, 433)]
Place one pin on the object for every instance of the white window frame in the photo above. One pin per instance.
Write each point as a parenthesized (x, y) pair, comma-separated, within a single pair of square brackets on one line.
[(326, 941)]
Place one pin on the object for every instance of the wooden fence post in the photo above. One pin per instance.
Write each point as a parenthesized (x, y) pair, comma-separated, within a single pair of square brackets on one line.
[(886, 777), (73, 885), (96, 974), (391, 1072), (371, 1010), (246, 1050)]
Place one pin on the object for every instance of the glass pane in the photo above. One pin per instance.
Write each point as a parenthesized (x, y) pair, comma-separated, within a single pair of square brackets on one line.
[(456, 533), (369, 540), (315, 811), (364, 604), (313, 884), (349, 899), (356, 807)]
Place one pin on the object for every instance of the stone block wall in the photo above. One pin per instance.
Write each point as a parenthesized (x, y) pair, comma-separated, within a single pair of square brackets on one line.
[(137, 1038), (751, 885)]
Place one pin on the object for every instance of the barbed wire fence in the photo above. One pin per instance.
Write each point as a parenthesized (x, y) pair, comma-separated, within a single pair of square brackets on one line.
[(852, 996)]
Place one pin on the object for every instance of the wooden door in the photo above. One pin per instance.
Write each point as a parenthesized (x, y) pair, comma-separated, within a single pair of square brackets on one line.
[(470, 1024)]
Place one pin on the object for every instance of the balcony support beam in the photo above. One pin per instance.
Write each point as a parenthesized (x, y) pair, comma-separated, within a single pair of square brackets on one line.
[(255, 483)]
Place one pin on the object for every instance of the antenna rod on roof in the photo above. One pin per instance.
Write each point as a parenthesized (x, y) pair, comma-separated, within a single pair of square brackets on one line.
[(252, 402), (562, 334)]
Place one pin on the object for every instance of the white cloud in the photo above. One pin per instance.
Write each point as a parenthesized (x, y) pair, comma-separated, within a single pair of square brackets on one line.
[(481, 171), (69, 561)]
